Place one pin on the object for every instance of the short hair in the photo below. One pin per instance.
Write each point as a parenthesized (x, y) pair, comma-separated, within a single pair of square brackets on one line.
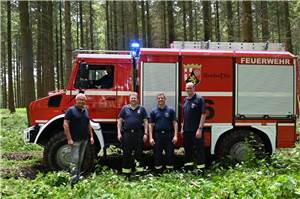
[(133, 94), (159, 94), (80, 95), (190, 84)]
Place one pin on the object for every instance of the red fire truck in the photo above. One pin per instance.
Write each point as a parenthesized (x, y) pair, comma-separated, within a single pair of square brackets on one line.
[(250, 90)]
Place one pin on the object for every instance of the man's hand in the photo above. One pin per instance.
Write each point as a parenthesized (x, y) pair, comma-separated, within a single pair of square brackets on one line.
[(92, 140), (119, 137), (70, 142), (198, 134), (145, 138), (174, 139), (152, 142)]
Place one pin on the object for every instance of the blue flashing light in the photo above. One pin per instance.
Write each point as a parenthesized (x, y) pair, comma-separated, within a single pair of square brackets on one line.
[(135, 46)]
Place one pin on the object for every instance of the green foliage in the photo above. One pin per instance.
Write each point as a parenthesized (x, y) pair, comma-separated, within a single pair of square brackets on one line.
[(278, 177), (12, 126)]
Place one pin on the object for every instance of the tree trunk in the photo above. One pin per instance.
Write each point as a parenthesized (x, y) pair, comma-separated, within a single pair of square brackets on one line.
[(61, 59), (287, 26), (190, 11), (164, 22), (3, 70), (149, 36), (207, 20), (91, 25), (48, 69), (68, 40), (115, 25), (229, 21), (217, 22), (123, 26), (26, 46), (143, 23), (56, 51), (77, 26), (278, 14), (11, 103), (238, 36), (265, 21), (134, 20), (170, 21), (81, 25), (107, 25), (39, 57), (246, 22), (184, 20)]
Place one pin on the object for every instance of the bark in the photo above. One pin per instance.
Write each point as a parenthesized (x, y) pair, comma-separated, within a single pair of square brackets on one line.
[(26, 52), (278, 14), (265, 21), (56, 53), (246, 22), (61, 59), (3, 70), (170, 21), (91, 24), (149, 32), (68, 40), (39, 58), (217, 22), (143, 22), (184, 20), (190, 12), (229, 21), (82, 43), (107, 25), (115, 25), (11, 103), (123, 26), (288, 32), (207, 20), (48, 69), (238, 36)]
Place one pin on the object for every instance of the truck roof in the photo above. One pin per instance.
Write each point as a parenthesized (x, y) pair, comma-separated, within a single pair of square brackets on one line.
[(191, 52), (222, 53)]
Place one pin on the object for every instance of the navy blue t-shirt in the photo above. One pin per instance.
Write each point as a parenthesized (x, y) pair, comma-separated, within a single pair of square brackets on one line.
[(162, 118), (192, 111), (133, 119), (79, 123)]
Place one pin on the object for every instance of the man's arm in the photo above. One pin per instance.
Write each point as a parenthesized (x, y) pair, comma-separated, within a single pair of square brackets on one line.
[(67, 132), (145, 130), (175, 126), (119, 125), (91, 133), (151, 125)]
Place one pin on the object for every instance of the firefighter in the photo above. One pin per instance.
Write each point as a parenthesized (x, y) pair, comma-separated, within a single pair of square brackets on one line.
[(77, 129), (163, 123), (134, 118), (193, 121)]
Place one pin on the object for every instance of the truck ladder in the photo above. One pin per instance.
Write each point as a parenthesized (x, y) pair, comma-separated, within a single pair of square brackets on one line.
[(227, 45)]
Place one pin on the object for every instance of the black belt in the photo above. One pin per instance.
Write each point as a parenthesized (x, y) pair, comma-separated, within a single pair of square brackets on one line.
[(163, 131)]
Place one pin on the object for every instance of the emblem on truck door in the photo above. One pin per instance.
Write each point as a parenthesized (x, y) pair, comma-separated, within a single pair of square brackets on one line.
[(192, 73)]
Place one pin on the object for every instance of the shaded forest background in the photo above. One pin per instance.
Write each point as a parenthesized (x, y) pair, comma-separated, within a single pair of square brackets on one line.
[(38, 37)]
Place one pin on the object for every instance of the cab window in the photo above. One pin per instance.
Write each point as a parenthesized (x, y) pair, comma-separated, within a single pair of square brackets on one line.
[(99, 77)]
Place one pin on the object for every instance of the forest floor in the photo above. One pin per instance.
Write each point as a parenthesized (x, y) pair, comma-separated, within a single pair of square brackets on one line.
[(22, 174)]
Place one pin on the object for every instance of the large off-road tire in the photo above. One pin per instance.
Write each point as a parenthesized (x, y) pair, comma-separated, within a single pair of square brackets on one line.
[(237, 145), (57, 154)]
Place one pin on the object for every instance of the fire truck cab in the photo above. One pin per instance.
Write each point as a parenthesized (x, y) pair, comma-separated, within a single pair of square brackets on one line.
[(250, 93)]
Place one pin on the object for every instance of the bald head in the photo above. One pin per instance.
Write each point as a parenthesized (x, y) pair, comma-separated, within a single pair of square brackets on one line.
[(80, 100), (190, 89)]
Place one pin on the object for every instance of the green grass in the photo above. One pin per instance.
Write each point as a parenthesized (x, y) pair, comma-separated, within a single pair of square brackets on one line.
[(277, 178)]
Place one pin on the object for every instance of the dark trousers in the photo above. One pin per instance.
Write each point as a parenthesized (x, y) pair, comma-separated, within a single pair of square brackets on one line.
[(163, 141), (132, 141), (193, 147)]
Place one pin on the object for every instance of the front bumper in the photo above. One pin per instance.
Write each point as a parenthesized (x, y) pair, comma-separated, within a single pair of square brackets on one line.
[(30, 133)]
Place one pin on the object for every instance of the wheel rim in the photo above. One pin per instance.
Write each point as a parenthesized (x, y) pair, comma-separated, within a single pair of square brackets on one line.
[(239, 151), (63, 156)]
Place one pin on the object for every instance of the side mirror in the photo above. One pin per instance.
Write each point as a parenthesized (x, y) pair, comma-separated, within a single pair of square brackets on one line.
[(83, 70)]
